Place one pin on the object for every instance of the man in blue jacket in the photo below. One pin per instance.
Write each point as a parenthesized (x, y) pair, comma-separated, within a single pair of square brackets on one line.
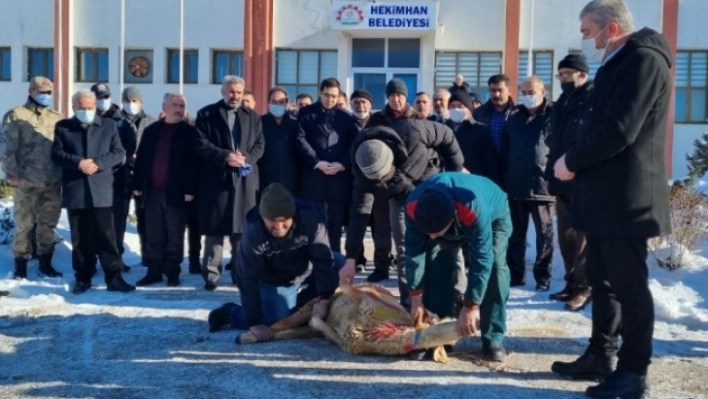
[(444, 214), (282, 239)]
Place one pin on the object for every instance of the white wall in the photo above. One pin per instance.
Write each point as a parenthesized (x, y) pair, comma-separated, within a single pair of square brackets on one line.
[(21, 26), (471, 25), (302, 24)]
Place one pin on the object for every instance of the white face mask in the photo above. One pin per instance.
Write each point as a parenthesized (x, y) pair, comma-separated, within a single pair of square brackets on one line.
[(276, 110), (132, 108), (590, 51), (529, 101), (457, 115), (103, 105)]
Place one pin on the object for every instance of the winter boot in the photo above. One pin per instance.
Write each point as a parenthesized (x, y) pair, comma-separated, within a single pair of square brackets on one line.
[(45, 266), (493, 353), (115, 282), (562, 295), (173, 280), (220, 317), (620, 384), (80, 287), (588, 367), (20, 269), (195, 267), (378, 275), (149, 279)]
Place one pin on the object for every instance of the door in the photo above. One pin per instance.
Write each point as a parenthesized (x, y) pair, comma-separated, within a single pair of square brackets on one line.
[(375, 83)]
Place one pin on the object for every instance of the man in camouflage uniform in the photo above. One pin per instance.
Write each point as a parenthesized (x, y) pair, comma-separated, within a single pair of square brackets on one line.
[(27, 162)]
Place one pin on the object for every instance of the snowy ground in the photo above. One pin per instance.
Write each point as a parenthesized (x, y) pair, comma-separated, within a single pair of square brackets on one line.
[(153, 344)]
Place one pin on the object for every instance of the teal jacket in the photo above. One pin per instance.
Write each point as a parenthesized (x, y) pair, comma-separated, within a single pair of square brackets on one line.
[(479, 203)]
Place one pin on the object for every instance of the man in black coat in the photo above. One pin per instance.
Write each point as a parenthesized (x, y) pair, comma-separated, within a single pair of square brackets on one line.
[(230, 143), (495, 112), (474, 138), (523, 158), (280, 162), (324, 140), (165, 177), (88, 149), (565, 123), (459, 85), (621, 198)]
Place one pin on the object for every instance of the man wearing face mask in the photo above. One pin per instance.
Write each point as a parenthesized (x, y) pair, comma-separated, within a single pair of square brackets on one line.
[(474, 138), (441, 98), (565, 124), (495, 112), (87, 148), (280, 163), (620, 198), (29, 131), (523, 160)]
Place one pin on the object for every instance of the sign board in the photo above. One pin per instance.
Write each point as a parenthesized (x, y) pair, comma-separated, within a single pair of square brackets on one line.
[(400, 15)]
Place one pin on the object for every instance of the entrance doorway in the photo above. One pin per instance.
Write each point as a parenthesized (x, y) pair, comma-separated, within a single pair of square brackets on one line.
[(376, 61)]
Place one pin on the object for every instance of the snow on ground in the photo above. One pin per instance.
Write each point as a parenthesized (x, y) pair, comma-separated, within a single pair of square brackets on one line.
[(153, 343)]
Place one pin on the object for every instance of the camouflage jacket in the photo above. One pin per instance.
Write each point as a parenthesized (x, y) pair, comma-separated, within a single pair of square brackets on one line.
[(29, 134)]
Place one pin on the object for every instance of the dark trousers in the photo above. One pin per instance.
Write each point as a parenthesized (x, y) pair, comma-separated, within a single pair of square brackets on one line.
[(194, 239), (572, 247), (622, 302), (381, 233), (93, 234), (542, 215), (335, 213), (121, 206), (139, 204), (164, 249), (213, 255)]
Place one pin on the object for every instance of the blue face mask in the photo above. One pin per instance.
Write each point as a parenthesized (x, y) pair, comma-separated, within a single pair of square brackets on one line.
[(86, 115), (276, 110), (44, 100)]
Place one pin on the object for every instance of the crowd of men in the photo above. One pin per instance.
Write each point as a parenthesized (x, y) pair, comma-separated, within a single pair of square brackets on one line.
[(446, 184)]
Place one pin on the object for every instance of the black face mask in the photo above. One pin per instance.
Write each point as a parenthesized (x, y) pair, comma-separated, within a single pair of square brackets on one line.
[(568, 87)]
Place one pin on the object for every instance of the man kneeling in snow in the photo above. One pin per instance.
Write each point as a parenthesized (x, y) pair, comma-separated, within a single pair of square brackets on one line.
[(282, 239)]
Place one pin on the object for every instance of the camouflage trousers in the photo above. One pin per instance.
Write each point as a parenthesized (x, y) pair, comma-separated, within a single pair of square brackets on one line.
[(40, 205)]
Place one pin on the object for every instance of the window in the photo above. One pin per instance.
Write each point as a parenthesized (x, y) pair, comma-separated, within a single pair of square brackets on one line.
[(5, 64), (594, 66), (385, 53), (691, 86), (40, 62), (226, 63), (542, 67), (476, 68), (191, 66), (92, 65), (301, 71)]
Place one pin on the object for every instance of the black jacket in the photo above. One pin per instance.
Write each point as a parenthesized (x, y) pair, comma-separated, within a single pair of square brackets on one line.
[(284, 261), (224, 197), (73, 143), (385, 116), (325, 135), (565, 123), (620, 178), (139, 122), (129, 140), (463, 88), (478, 150), (182, 171), (280, 162), (420, 148), (483, 114), (524, 154)]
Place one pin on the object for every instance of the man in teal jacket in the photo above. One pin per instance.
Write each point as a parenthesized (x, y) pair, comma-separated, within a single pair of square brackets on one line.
[(447, 213)]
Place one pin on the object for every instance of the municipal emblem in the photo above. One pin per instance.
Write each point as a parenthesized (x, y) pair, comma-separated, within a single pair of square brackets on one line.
[(350, 15)]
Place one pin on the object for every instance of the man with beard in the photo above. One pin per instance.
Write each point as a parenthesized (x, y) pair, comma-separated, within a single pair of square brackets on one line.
[(496, 111)]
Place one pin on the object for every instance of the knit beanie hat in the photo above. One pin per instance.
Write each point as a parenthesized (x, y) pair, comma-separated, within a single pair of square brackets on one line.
[(575, 61), (277, 202), (396, 85), (462, 97), (361, 93), (433, 212), (132, 92), (374, 158)]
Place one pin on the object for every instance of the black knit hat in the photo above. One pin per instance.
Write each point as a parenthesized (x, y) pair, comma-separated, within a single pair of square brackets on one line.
[(433, 212), (462, 97), (361, 93), (277, 202), (575, 61), (396, 85), (474, 96)]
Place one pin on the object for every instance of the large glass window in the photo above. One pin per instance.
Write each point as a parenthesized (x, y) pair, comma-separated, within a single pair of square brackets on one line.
[(301, 71), (5, 64), (226, 62), (191, 66), (92, 65), (368, 53), (542, 67), (691, 86), (476, 68), (403, 53), (40, 62)]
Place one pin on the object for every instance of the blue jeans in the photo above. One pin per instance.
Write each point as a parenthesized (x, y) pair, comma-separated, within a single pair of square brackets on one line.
[(279, 302)]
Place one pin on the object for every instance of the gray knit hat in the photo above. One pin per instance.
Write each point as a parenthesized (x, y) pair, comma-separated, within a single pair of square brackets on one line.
[(396, 85), (277, 202), (374, 158), (132, 92)]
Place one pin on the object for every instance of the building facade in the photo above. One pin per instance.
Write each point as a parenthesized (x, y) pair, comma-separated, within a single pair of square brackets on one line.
[(296, 43)]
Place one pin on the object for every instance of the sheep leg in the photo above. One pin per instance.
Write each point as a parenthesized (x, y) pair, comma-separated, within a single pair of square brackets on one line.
[(316, 323)]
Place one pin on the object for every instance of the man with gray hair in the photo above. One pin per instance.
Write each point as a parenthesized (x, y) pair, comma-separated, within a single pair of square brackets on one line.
[(617, 163), (88, 149), (165, 176), (441, 97), (229, 142)]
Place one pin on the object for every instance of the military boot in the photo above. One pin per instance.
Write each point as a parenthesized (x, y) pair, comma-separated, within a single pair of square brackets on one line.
[(45, 266), (20, 269)]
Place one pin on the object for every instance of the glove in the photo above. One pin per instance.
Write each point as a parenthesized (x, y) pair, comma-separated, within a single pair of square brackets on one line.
[(245, 170)]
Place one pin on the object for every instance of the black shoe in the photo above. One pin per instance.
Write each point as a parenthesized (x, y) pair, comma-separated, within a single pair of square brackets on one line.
[(620, 384), (209, 286), (20, 269), (543, 286), (518, 283), (45, 267), (587, 367), (195, 268), (562, 295), (149, 279), (220, 317), (80, 287), (173, 281), (116, 283), (378, 275), (493, 353)]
